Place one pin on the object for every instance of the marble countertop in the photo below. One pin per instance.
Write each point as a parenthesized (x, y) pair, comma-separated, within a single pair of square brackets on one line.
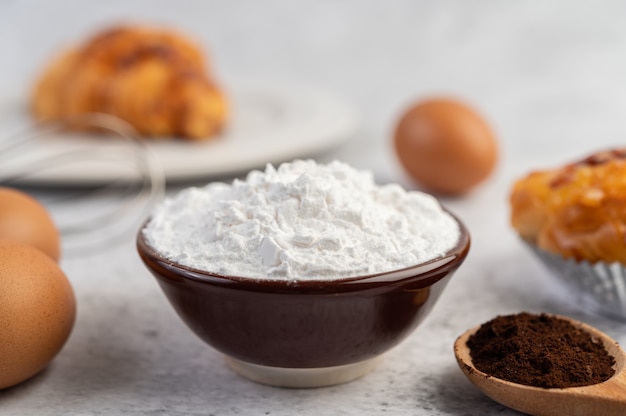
[(547, 75)]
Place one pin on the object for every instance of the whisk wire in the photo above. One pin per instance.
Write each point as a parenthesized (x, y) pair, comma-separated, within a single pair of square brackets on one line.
[(133, 197)]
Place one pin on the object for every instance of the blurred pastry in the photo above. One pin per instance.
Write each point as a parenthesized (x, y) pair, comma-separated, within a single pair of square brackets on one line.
[(154, 79), (577, 211)]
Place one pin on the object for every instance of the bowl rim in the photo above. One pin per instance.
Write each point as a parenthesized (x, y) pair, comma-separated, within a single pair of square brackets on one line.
[(427, 272)]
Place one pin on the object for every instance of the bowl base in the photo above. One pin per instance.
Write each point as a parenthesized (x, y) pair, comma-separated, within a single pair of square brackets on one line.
[(301, 377)]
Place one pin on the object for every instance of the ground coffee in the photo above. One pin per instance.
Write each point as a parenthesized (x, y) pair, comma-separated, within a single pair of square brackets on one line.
[(539, 350)]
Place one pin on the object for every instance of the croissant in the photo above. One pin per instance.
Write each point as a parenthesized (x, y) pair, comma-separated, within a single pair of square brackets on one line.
[(154, 79), (578, 210)]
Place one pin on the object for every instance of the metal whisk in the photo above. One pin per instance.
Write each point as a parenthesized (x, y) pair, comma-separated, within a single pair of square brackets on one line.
[(90, 215)]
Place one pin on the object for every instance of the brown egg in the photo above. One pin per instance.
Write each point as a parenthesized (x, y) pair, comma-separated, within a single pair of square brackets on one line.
[(445, 146), (37, 311), (23, 218)]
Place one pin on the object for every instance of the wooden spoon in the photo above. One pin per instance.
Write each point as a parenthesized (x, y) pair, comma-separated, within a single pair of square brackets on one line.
[(606, 399)]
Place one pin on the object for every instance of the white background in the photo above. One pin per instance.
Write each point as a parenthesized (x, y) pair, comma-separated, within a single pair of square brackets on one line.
[(548, 76)]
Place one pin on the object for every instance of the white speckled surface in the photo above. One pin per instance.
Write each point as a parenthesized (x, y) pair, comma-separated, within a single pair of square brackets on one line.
[(548, 75)]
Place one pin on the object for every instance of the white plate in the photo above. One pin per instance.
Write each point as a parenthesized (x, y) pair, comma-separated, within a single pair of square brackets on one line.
[(269, 123)]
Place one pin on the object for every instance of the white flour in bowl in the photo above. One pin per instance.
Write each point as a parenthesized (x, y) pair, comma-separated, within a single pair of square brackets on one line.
[(302, 221)]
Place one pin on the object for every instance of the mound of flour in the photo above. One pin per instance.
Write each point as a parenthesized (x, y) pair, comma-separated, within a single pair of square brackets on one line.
[(302, 221)]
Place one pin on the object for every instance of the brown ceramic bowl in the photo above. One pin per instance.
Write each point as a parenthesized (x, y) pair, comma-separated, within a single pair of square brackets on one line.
[(304, 334)]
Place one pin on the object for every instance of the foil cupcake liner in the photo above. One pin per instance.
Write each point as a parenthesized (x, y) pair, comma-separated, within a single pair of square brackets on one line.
[(601, 286)]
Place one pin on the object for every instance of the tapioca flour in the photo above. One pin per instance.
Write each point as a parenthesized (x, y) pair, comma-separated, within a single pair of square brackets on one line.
[(302, 221)]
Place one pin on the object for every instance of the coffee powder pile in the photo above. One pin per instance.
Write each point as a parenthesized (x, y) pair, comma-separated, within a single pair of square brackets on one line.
[(539, 350)]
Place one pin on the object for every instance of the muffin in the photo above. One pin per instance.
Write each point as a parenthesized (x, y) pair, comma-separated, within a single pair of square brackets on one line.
[(157, 80), (574, 218)]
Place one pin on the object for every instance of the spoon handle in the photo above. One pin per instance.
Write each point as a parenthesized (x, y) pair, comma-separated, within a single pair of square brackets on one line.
[(609, 398), (603, 399)]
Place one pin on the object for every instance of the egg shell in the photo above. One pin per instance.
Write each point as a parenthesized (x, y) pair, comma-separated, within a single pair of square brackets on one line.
[(37, 311), (445, 146), (23, 218)]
